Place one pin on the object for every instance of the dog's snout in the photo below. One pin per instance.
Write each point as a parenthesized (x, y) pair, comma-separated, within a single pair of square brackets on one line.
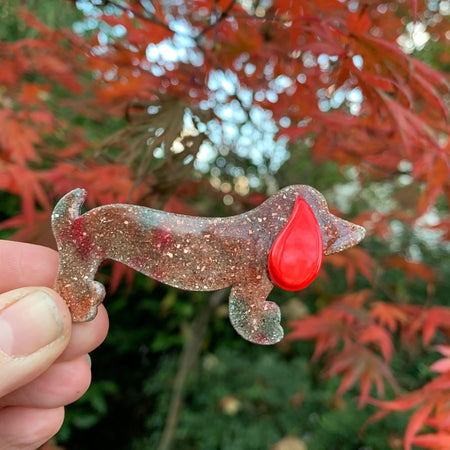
[(340, 235)]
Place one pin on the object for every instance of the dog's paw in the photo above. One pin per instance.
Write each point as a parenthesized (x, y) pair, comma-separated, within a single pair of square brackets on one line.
[(86, 309), (82, 299), (256, 322)]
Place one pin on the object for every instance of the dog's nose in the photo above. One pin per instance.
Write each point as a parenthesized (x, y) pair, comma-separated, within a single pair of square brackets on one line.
[(340, 235)]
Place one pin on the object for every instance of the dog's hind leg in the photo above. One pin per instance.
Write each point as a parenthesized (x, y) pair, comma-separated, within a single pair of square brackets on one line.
[(78, 262), (254, 318)]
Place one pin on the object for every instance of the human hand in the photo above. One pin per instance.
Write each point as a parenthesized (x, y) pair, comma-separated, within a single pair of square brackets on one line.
[(44, 362)]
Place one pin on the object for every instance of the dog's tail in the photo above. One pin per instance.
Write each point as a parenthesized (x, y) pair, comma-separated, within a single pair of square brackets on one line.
[(67, 211), (74, 281)]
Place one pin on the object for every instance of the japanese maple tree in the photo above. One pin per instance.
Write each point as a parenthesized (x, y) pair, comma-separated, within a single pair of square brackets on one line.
[(154, 101)]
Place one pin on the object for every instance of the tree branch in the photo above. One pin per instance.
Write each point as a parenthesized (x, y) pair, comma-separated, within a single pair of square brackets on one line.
[(149, 18), (189, 357), (221, 17)]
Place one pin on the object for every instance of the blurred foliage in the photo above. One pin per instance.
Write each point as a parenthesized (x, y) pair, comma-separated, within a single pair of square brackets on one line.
[(241, 396), (238, 396)]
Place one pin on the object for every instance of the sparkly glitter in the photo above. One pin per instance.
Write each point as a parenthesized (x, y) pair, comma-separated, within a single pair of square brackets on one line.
[(197, 253)]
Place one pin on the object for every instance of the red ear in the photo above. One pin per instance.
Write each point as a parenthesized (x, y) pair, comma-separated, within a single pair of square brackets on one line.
[(296, 255)]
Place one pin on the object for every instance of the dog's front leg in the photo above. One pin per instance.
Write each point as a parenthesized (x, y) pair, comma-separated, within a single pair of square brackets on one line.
[(254, 318)]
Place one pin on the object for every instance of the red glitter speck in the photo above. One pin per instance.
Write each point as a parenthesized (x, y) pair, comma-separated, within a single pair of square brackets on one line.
[(82, 240)]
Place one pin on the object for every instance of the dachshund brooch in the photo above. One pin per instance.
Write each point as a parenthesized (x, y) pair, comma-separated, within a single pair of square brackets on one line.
[(281, 242)]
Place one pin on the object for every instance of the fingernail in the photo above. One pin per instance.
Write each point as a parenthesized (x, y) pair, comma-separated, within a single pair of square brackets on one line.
[(28, 324)]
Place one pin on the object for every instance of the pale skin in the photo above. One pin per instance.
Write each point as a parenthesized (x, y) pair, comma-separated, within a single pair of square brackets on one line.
[(35, 388)]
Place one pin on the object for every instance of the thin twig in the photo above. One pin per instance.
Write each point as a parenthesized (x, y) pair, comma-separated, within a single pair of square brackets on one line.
[(150, 18), (189, 357), (221, 17)]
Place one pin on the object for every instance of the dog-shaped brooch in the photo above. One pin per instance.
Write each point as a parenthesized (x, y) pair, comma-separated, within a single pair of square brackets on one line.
[(281, 242)]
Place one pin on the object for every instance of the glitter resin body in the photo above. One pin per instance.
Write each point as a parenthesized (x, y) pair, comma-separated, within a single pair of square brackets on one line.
[(280, 242)]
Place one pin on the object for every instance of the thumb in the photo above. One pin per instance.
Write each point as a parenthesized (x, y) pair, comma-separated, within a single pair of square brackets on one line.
[(35, 328)]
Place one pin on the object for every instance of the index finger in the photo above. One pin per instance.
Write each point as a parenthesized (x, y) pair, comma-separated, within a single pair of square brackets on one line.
[(24, 265)]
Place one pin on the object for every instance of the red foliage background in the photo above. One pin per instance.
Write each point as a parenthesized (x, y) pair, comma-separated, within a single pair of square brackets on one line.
[(330, 74)]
